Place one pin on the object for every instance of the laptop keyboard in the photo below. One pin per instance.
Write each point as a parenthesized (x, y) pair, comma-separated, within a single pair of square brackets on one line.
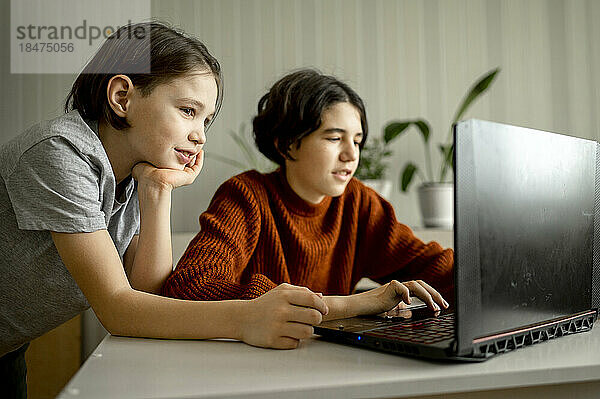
[(426, 331)]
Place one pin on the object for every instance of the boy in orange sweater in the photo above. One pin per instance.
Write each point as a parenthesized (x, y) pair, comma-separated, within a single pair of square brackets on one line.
[(310, 223)]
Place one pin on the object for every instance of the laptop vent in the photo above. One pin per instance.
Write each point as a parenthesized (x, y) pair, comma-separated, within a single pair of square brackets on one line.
[(399, 348), (531, 337)]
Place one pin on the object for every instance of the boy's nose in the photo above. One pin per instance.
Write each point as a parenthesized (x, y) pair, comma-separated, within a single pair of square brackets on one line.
[(349, 153), (198, 136)]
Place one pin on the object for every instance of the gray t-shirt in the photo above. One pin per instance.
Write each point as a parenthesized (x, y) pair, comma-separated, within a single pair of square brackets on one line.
[(55, 176)]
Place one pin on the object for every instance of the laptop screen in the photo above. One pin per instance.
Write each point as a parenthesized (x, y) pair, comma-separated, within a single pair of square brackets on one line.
[(524, 225)]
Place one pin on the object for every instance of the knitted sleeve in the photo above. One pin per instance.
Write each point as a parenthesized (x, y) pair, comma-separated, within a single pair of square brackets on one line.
[(212, 267), (389, 250)]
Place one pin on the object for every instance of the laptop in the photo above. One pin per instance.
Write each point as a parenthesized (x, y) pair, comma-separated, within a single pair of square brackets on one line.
[(527, 250)]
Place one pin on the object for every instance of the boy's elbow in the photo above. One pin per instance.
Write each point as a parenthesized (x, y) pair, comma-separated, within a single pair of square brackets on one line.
[(119, 326), (116, 317), (113, 330), (150, 289), (113, 327), (151, 283)]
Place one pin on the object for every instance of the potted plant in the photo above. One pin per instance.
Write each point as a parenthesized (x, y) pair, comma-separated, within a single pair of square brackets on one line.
[(436, 196), (372, 167)]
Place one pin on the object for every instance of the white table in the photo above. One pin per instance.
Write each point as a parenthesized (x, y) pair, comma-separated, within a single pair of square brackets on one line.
[(148, 368)]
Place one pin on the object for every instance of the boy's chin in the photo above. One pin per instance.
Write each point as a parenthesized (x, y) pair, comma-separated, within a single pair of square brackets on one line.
[(337, 192)]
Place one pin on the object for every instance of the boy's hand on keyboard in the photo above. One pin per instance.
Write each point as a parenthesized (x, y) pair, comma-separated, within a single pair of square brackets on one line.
[(390, 295), (282, 317)]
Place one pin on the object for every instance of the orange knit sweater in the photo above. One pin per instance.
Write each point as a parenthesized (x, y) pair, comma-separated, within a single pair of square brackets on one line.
[(258, 233)]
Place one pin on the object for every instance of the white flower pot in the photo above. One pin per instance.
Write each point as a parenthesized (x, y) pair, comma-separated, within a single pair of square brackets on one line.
[(436, 201), (382, 186)]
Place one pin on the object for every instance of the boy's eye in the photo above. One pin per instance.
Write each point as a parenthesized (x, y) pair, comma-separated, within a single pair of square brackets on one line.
[(207, 122), (333, 138), (187, 111)]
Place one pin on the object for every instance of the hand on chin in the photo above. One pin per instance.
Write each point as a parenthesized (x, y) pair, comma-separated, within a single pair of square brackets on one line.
[(174, 175)]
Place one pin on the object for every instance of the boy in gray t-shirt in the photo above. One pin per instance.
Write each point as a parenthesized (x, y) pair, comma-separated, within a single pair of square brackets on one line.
[(70, 211), (54, 177)]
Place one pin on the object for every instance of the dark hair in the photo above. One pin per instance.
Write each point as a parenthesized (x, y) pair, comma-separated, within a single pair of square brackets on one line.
[(292, 110), (150, 54)]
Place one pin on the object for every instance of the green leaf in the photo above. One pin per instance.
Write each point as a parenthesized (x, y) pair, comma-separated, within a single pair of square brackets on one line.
[(407, 175), (423, 127), (447, 153), (476, 90), (447, 159), (392, 130)]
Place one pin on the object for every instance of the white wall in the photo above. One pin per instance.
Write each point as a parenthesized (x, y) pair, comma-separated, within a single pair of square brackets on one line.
[(405, 58)]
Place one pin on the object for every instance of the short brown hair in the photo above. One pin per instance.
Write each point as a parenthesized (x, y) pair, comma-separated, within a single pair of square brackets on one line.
[(171, 54), (293, 107)]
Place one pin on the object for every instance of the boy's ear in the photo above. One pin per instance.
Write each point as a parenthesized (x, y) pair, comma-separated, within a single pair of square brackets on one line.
[(119, 91), (279, 151), (291, 150)]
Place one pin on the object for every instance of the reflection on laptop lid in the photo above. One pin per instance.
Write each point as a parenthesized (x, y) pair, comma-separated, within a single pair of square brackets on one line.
[(527, 255)]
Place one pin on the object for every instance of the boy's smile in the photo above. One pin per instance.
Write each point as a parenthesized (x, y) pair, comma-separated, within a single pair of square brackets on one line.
[(326, 159), (343, 175)]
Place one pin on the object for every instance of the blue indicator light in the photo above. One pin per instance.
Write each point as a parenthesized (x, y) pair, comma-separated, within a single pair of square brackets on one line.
[(359, 338)]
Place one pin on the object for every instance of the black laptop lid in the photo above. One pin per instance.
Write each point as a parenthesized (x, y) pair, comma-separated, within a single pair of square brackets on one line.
[(524, 227)]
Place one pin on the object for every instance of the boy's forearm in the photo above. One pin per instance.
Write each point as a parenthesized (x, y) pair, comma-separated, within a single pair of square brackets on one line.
[(141, 314), (153, 261), (351, 305), (341, 307)]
